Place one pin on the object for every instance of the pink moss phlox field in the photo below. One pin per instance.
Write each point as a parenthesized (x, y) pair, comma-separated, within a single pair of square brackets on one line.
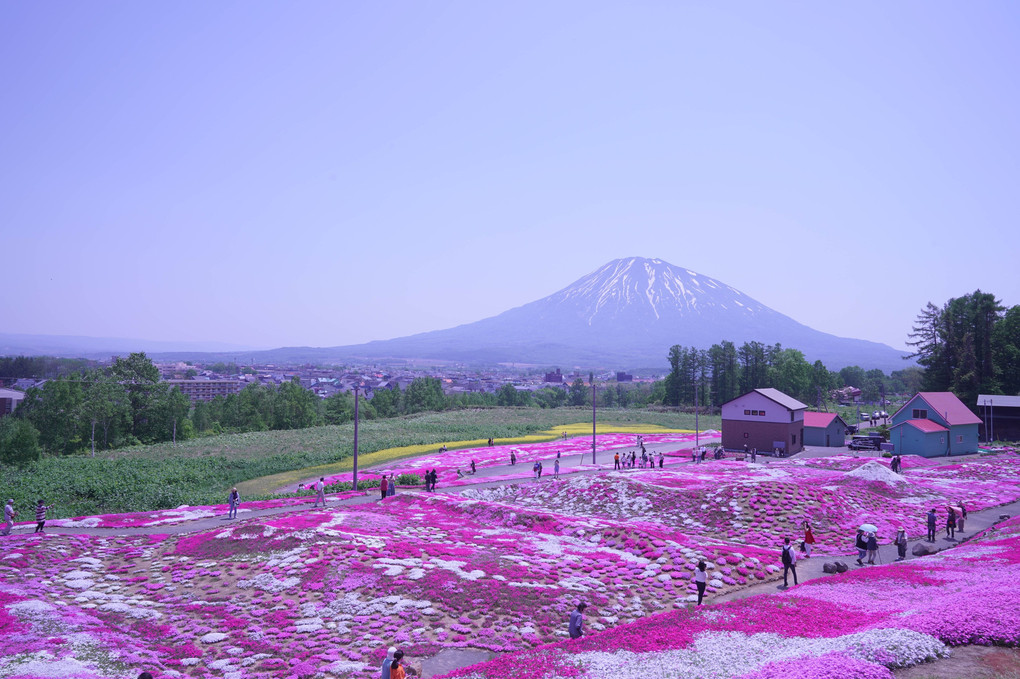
[(322, 591), (964, 596)]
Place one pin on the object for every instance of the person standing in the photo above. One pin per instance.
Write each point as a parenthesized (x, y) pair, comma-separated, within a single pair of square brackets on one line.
[(861, 543), (396, 667), (391, 488), (789, 559), (901, 544), (513, 458), (556, 468), (534, 471), (539, 471), (387, 663), (320, 492), (872, 548), (616, 461), (9, 515), (575, 626), (809, 539), (233, 500), (931, 525), (700, 580), (40, 516), (435, 477), (662, 459), (951, 524), (754, 454), (382, 488), (962, 518), (474, 470)]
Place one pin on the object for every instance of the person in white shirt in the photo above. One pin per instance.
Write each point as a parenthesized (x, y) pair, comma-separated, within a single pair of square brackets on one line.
[(700, 579)]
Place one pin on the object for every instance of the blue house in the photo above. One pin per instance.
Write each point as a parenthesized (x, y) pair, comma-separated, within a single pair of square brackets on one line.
[(934, 423)]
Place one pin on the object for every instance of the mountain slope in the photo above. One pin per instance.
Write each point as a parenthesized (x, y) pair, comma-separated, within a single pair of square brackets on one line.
[(627, 314)]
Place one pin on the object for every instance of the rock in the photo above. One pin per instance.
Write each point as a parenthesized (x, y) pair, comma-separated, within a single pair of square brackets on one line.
[(828, 567), (921, 549), (841, 567), (1003, 517)]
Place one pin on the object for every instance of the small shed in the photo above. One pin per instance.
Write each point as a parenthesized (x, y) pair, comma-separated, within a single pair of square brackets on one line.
[(827, 430), (1000, 417), (9, 400), (934, 423), (765, 419)]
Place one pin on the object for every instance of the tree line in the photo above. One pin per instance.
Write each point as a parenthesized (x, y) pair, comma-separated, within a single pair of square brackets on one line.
[(713, 376), (970, 345)]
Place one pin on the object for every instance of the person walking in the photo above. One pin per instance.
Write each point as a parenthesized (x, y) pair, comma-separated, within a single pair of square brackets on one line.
[(872, 548), (861, 543), (809, 539), (539, 471), (233, 500), (556, 468), (9, 515), (320, 492), (931, 525), (382, 488), (754, 454), (513, 458), (40, 516), (575, 626), (616, 461), (701, 580), (662, 459), (951, 524), (474, 470), (962, 518), (789, 559), (901, 544), (435, 478)]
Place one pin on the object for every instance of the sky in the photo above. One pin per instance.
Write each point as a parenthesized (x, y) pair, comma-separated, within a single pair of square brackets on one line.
[(273, 174)]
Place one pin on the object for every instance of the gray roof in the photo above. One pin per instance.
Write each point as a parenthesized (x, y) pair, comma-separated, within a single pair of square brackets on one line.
[(998, 400), (788, 402)]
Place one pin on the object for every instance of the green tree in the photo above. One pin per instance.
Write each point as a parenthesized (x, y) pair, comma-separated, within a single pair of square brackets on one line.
[(339, 408), (578, 393), (140, 378), (506, 395), (105, 404), (424, 394), (55, 411), (296, 407), (791, 374), (1006, 351), (387, 402), (19, 441)]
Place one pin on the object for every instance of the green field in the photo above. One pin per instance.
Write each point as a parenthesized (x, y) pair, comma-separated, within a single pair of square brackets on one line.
[(199, 471)]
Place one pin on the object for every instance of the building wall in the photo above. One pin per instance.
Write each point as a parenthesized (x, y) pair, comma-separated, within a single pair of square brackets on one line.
[(907, 440), (815, 436), (906, 412), (1005, 423), (762, 435), (743, 408), (963, 439)]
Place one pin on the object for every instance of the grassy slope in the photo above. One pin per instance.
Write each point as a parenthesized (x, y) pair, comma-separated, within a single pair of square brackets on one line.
[(199, 471)]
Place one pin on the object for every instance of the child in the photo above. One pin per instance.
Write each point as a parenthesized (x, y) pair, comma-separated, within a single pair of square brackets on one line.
[(40, 516)]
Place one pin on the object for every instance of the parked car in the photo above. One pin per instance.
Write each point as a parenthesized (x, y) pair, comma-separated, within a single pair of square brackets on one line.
[(866, 443)]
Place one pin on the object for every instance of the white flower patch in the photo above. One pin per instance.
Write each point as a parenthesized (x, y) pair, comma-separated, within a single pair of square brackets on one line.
[(79, 584), (44, 664), (267, 583), (717, 655), (33, 609), (285, 558), (188, 662), (213, 638), (90, 522), (130, 611), (342, 667), (457, 568), (15, 555)]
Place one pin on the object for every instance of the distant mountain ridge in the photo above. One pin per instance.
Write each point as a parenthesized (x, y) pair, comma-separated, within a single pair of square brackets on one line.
[(624, 315), (627, 314), (79, 346)]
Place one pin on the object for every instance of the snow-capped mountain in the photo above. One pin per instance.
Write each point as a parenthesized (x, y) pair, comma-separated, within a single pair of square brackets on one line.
[(627, 314)]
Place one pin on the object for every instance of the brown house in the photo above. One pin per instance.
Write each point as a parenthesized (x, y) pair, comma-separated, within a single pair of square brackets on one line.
[(766, 419)]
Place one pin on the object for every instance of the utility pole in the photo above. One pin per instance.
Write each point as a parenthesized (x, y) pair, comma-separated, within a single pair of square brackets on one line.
[(354, 485), (697, 432), (593, 421)]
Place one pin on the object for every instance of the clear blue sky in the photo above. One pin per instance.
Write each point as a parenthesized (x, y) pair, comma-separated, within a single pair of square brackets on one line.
[(305, 173)]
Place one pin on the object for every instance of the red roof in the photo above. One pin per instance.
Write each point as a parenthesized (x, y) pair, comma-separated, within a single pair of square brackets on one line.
[(949, 407), (813, 419), (927, 426)]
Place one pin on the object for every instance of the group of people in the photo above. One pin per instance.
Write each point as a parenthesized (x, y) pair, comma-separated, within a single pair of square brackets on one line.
[(431, 476), (387, 487), (10, 514), (896, 464), (630, 459), (750, 452), (394, 666), (954, 521)]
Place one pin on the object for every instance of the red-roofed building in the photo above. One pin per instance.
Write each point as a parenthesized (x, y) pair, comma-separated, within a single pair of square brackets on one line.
[(934, 423), (824, 429)]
